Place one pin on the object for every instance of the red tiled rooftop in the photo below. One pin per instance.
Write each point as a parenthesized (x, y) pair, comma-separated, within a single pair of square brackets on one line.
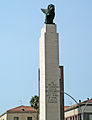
[(66, 106), (80, 103), (89, 101), (22, 108)]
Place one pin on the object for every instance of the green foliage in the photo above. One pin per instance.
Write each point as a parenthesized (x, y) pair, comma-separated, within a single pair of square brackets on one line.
[(34, 102)]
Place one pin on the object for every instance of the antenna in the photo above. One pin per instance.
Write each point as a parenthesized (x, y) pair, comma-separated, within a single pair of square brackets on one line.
[(20, 102)]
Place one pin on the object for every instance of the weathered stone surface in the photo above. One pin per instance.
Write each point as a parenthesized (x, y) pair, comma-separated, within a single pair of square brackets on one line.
[(49, 74)]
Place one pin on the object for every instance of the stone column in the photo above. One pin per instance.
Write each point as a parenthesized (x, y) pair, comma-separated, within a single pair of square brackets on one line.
[(49, 74), (61, 92)]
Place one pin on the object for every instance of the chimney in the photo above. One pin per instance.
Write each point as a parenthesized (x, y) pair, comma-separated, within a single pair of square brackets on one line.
[(79, 101), (87, 98)]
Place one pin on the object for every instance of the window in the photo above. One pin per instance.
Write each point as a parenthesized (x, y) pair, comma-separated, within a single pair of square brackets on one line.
[(70, 118), (79, 117), (29, 118), (16, 118), (90, 117), (75, 117), (86, 116)]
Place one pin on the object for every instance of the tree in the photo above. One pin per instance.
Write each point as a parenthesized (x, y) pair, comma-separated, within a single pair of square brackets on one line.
[(34, 102)]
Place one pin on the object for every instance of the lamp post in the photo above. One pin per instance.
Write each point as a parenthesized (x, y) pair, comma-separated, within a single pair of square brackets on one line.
[(74, 101), (82, 111)]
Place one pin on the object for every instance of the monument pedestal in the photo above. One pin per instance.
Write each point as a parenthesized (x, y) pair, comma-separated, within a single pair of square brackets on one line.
[(49, 74)]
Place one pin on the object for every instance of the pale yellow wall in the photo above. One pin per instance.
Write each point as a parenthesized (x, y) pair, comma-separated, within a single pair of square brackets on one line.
[(71, 113), (21, 115), (4, 117)]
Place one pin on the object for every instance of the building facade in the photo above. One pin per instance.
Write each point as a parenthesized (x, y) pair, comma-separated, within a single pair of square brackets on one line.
[(20, 113), (80, 111)]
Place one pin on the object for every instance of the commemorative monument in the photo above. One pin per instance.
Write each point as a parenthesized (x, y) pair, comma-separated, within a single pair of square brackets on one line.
[(51, 85)]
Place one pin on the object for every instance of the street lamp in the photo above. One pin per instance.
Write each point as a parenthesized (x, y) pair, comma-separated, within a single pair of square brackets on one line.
[(73, 100), (82, 111)]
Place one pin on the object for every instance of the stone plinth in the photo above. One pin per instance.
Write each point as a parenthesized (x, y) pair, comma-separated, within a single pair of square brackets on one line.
[(49, 74)]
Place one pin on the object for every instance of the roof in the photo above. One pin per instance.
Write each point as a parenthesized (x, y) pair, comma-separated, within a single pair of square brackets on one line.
[(22, 108), (88, 102), (66, 107)]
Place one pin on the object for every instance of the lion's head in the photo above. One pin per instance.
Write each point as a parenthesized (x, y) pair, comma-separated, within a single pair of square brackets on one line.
[(51, 8)]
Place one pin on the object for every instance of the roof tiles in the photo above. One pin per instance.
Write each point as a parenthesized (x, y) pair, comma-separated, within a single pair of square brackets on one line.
[(22, 108)]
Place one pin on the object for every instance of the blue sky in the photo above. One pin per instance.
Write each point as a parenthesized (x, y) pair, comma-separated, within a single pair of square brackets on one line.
[(20, 25)]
